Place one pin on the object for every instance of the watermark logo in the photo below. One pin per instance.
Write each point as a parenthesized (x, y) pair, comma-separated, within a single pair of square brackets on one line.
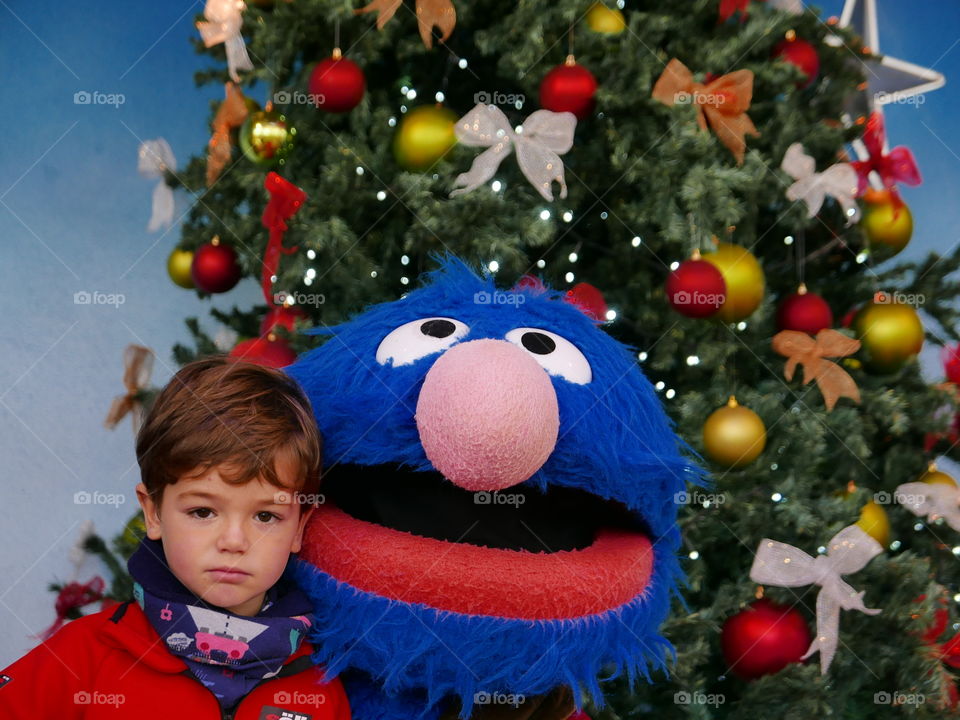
[(700, 98), (499, 498), (699, 498), (285, 498), (498, 698), (82, 497), (498, 297), (283, 697), (898, 698), (299, 298), (84, 297), (498, 98), (284, 97), (684, 297), (881, 297), (885, 98), (698, 698), (911, 499), (95, 97), (98, 698)]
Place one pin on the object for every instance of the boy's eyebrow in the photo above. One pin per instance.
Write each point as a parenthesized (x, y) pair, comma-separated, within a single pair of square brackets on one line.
[(272, 500)]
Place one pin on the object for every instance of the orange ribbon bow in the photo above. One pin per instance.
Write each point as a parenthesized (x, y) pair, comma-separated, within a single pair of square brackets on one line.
[(431, 14), (833, 380), (231, 113), (722, 103), (138, 364)]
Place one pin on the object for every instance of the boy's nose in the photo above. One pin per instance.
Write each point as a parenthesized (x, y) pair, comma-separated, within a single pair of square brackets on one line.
[(233, 538), (487, 415)]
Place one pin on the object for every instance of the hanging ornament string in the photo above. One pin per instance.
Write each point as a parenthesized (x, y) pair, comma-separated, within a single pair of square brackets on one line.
[(286, 199)]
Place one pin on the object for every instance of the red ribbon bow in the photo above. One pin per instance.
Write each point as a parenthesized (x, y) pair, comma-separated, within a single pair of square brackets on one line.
[(729, 7), (896, 166), (70, 599), (286, 199)]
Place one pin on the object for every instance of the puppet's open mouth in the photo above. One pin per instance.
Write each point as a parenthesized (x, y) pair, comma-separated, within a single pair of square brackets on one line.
[(416, 537)]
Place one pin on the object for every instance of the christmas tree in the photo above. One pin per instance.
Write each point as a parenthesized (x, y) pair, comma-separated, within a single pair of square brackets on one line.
[(693, 166)]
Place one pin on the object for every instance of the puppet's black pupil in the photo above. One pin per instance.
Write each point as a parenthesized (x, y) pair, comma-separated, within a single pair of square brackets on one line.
[(538, 343), (438, 328)]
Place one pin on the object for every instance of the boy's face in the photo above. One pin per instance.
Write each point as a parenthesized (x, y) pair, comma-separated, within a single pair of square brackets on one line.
[(228, 544)]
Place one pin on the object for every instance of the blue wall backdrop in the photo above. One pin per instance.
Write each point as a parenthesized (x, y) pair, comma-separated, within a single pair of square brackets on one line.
[(73, 212)]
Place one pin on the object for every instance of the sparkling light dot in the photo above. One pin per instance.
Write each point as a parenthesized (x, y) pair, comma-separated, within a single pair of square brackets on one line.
[(308, 281), (674, 265), (493, 265), (518, 129), (660, 385), (611, 314), (404, 280), (381, 195), (956, 550), (311, 254), (567, 216), (403, 108), (404, 259), (572, 257), (621, 4), (311, 273), (670, 393), (411, 94), (392, 122), (641, 356), (918, 526), (693, 360), (774, 466), (603, 215), (439, 96), (741, 325), (544, 214), (462, 64), (359, 170), (636, 241), (776, 497), (403, 90), (694, 555), (273, 278), (496, 185), (541, 263), (568, 277), (895, 545), (373, 273), (518, 104), (788, 240), (851, 212), (822, 549), (861, 257)]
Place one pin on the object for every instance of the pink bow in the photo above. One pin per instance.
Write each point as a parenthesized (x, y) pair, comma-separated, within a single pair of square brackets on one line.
[(894, 167)]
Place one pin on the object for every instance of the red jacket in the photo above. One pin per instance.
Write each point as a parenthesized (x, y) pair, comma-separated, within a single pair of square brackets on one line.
[(113, 666)]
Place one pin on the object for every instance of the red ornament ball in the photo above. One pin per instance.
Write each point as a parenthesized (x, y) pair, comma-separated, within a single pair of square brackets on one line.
[(802, 54), (337, 84), (215, 268), (763, 639), (281, 316), (569, 88), (696, 288), (590, 300), (269, 351), (805, 312)]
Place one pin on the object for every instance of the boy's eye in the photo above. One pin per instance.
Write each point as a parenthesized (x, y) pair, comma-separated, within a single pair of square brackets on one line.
[(202, 513), (267, 516)]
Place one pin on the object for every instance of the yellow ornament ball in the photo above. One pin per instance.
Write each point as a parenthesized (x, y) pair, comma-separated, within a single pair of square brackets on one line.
[(744, 278), (425, 135), (733, 436), (605, 20), (890, 334), (884, 223), (936, 477), (178, 267), (875, 523)]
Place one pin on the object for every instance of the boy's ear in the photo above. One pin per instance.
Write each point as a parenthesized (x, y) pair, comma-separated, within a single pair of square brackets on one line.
[(151, 513), (304, 516)]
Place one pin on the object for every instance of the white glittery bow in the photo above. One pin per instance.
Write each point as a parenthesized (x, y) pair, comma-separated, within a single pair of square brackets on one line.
[(223, 26), (545, 136), (931, 500), (839, 180), (783, 565), (156, 157)]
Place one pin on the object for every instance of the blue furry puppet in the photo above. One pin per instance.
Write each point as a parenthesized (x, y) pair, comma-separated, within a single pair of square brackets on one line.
[(499, 524)]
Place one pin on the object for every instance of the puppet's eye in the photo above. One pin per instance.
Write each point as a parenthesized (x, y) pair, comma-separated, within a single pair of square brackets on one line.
[(556, 354), (419, 338)]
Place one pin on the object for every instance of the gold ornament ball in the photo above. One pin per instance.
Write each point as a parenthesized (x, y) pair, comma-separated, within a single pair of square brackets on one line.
[(605, 20), (890, 333), (884, 224), (425, 135), (875, 523), (744, 278), (266, 138), (936, 477), (733, 436), (178, 267)]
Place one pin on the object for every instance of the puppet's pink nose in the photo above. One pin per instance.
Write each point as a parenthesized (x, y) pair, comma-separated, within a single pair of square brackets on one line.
[(487, 415)]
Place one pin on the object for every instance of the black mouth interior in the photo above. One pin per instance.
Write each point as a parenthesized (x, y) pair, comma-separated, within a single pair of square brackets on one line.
[(429, 505)]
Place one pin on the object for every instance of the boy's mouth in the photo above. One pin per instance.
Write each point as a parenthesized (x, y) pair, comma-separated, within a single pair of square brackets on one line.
[(418, 538)]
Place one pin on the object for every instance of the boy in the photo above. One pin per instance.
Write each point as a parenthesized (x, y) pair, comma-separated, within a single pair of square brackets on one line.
[(227, 454)]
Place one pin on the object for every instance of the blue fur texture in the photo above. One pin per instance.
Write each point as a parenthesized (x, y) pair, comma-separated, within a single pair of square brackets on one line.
[(615, 441)]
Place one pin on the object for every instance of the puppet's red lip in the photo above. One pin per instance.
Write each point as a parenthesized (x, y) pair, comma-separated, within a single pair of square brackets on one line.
[(476, 580)]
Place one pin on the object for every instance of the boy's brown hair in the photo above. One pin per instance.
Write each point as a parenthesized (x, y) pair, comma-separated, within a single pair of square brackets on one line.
[(220, 410)]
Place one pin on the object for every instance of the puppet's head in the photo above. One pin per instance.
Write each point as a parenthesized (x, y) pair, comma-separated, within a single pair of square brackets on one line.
[(500, 496)]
